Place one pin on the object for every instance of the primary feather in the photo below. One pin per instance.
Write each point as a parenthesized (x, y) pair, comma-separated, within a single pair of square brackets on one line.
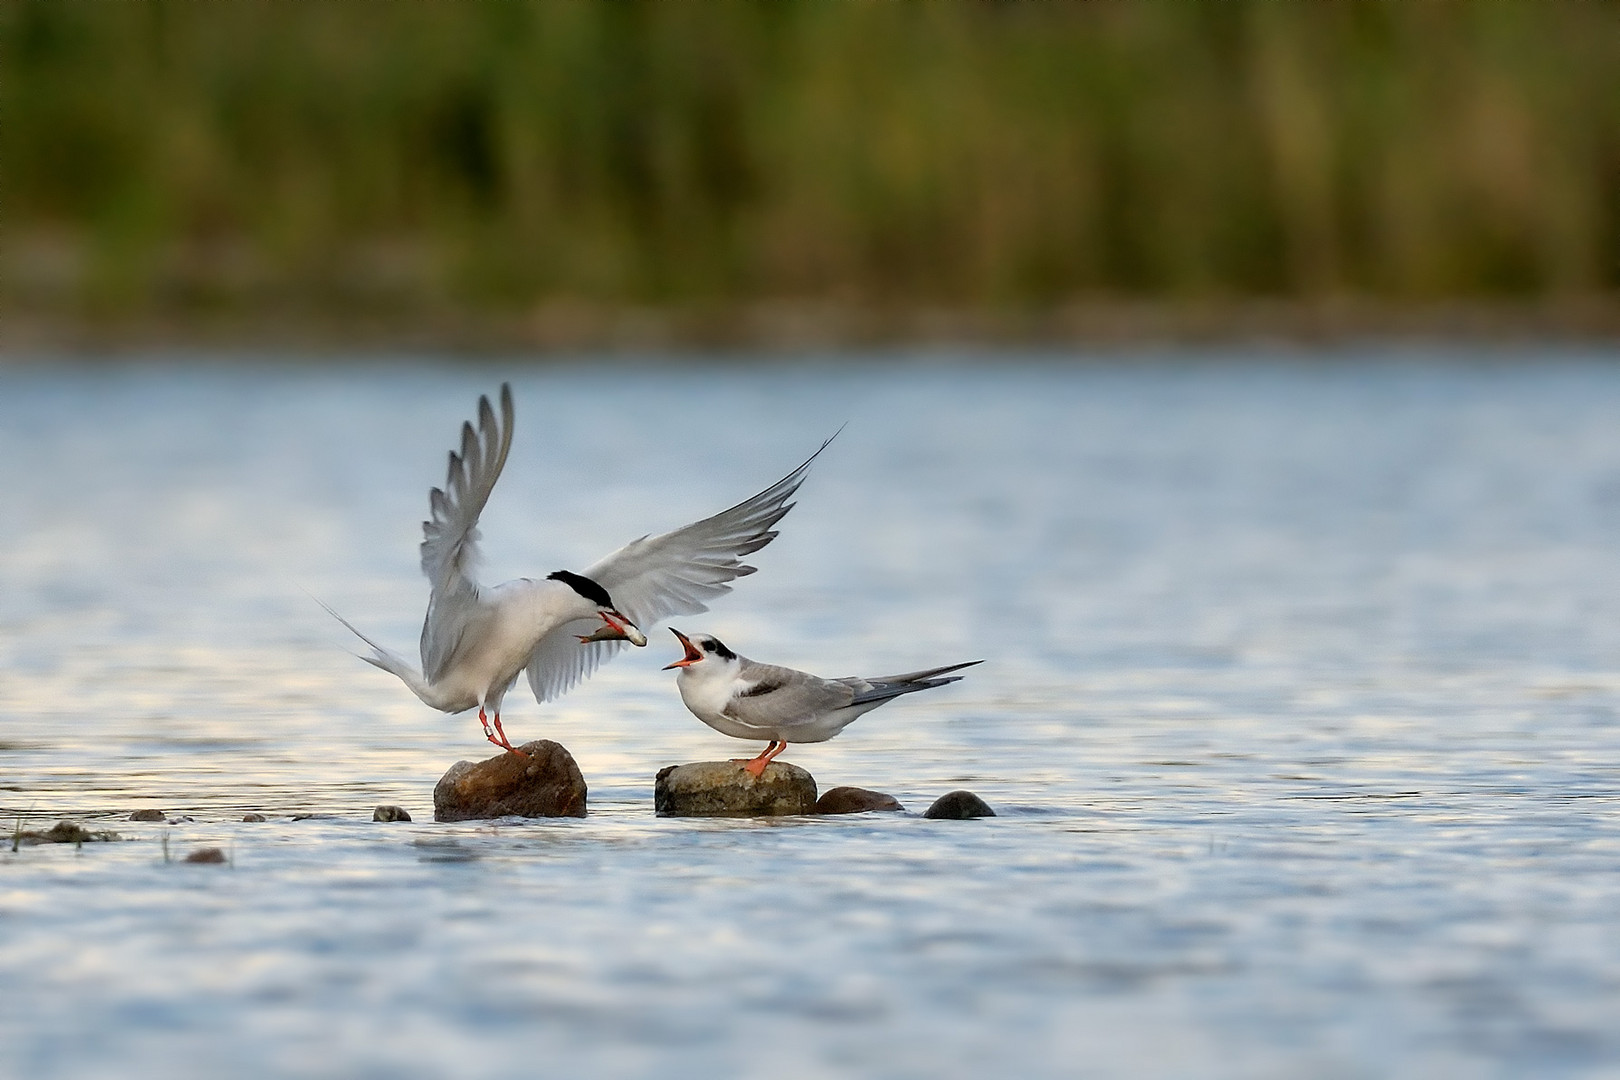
[(476, 640), (675, 573)]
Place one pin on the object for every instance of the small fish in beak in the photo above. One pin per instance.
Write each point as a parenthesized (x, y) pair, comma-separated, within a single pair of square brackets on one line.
[(693, 653), (615, 627)]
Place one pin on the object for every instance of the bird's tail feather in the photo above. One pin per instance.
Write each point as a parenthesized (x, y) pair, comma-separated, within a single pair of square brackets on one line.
[(380, 657)]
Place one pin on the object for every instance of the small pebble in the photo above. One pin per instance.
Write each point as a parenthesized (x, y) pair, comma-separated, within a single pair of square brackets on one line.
[(390, 813), (959, 806), (205, 855), (148, 815), (253, 817)]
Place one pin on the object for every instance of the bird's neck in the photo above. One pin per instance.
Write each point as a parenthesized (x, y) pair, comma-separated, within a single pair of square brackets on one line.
[(554, 603)]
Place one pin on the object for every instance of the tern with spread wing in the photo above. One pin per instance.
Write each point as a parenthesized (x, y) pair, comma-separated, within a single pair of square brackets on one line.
[(477, 639), (748, 700)]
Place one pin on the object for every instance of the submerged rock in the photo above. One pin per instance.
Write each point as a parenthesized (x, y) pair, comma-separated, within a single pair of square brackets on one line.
[(253, 817), (149, 815), (725, 789), (959, 806), (64, 832), (546, 783), (390, 813), (205, 855), (854, 800)]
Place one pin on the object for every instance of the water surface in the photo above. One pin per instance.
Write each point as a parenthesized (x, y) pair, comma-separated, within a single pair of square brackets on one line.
[(1299, 713)]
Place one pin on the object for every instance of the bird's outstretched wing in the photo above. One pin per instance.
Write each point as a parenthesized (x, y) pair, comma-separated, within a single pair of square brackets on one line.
[(676, 573), (450, 535)]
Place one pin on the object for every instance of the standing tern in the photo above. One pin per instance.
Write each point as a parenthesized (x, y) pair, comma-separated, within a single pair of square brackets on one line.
[(477, 639), (748, 700)]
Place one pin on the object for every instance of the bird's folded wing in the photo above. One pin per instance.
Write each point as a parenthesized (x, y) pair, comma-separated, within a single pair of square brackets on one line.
[(676, 573), (450, 535), (776, 698), (920, 676)]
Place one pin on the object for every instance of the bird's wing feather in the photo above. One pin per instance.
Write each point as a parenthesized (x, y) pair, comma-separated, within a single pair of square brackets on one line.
[(681, 572), (778, 698), (880, 688), (881, 692), (561, 661), (918, 676), (676, 573), (450, 535)]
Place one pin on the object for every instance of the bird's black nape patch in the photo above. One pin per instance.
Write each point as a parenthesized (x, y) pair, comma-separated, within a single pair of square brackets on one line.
[(583, 585), (718, 648)]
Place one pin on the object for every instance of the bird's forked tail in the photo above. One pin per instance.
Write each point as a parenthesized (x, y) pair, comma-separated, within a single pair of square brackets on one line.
[(390, 662)]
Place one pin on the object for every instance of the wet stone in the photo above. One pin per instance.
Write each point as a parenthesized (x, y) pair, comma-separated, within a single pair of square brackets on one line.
[(148, 815), (253, 817), (205, 855), (546, 783), (854, 800), (725, 789), (959, 806), (390, 813)]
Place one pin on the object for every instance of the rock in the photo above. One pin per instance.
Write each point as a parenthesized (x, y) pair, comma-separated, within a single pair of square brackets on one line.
[(546, 783), (253, 817), (855, 800), (205, 855), (148, 815), (958, 806), (390, 813), (63, 832), (725, 789)]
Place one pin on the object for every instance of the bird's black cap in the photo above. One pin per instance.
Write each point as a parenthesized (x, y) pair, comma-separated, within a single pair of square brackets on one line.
[(583, 585)]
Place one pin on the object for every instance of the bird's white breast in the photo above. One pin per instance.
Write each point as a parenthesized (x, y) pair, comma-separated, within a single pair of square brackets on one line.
[(706, 688)]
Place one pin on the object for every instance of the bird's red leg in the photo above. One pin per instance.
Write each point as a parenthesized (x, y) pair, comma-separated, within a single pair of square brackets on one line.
[(488, 734), (756, 766), (762, 753), (503, 741)]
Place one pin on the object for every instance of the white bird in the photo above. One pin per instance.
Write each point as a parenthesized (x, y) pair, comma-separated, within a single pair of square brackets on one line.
[(748, 700), (477, 639)]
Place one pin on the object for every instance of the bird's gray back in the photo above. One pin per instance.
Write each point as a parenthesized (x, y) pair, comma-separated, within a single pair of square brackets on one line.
[(780, 697)]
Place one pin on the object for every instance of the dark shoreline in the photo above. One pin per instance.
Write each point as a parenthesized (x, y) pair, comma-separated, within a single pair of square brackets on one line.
[(790, 328)]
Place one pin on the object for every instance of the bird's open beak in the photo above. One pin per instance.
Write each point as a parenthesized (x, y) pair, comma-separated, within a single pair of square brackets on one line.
[(692, 654), (615, 628)]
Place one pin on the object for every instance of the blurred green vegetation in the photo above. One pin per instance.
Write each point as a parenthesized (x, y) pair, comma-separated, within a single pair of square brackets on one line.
[(500, 156)]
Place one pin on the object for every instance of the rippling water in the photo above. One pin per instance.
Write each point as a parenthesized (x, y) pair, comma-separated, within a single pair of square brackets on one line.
[(1299, 711)]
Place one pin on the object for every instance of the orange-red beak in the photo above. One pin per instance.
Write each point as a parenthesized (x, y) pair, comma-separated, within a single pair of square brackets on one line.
[(692, 654)]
